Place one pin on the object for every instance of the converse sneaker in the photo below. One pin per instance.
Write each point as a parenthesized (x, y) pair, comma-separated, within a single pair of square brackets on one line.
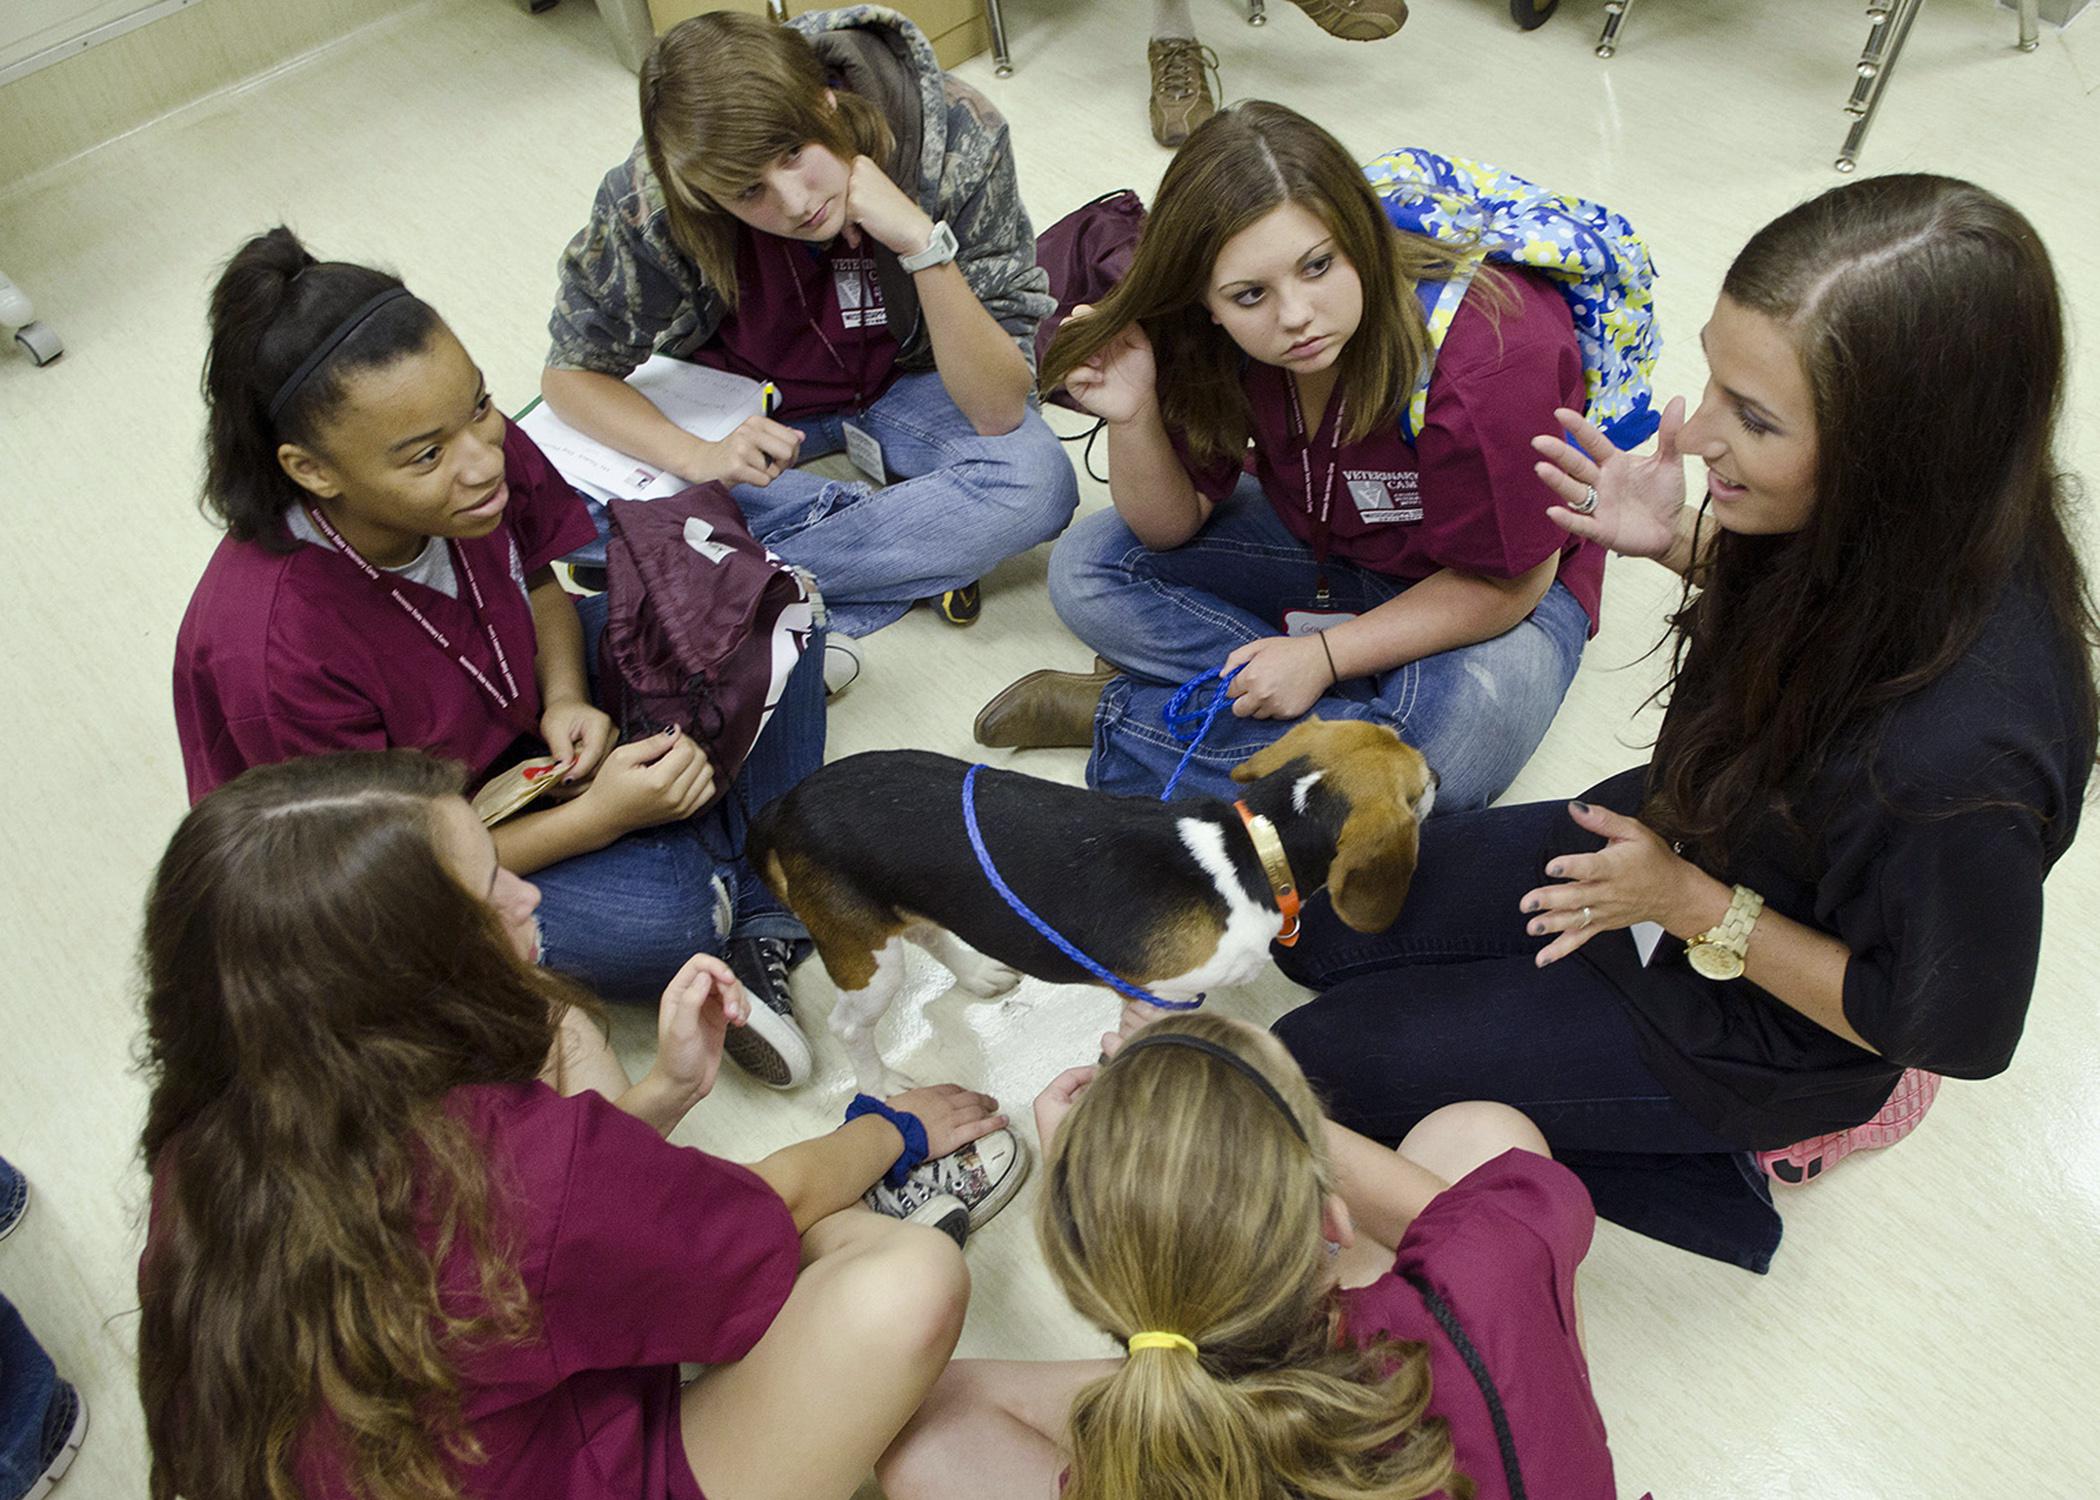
[(1807, 1160), (65, 1424), (945, 1212), (769, 1046), (984, 1175)]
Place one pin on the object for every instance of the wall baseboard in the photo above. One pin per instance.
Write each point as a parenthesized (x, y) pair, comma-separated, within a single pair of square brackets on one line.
[(73, 106)]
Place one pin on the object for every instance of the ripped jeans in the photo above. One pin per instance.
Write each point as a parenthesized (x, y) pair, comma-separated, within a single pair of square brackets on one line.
[(625, 918), (1477, 712)]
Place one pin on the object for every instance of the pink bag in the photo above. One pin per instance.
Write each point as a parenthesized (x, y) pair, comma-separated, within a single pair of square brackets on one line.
[(703, 624)]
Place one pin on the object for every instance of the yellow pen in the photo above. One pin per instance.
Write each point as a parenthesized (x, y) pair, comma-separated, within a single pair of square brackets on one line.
[(768, 398)]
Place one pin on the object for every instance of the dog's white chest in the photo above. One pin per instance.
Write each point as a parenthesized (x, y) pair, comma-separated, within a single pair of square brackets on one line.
[(1243, 946)]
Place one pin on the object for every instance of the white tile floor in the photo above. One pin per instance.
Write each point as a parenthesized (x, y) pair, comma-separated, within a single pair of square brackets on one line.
[(1929, 1327)]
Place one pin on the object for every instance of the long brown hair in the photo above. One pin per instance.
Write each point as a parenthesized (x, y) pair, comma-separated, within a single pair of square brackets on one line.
[(1927, 319), (316, 983), (725, 95), (1182, 1201), (1235, 168)]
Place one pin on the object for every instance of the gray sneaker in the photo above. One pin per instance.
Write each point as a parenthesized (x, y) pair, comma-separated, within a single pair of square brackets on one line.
[(769, 1046), (985, 1175)]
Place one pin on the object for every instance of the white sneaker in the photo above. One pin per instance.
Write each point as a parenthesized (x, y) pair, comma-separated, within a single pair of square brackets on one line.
[(985, 1175), (842, 664)]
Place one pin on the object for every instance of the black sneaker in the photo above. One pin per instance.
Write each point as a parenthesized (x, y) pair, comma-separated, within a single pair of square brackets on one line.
[(960, 606), (769, 1046), (65, 1424)]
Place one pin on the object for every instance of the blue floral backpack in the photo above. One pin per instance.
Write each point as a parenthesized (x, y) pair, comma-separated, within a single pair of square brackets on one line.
[(1601, 265)]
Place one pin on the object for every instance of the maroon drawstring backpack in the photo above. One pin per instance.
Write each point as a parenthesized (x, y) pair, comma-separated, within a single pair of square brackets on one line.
[(1085, 253), (703, 624)]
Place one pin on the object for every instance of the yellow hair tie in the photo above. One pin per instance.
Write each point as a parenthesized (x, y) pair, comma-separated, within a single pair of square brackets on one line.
[(1160, 1341)]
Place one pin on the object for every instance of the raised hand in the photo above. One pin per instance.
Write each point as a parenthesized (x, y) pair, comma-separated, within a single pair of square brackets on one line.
[(1638, 498), (1120, 382)]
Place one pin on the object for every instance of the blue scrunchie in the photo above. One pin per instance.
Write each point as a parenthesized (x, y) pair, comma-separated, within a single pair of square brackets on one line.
[(908, 1125)]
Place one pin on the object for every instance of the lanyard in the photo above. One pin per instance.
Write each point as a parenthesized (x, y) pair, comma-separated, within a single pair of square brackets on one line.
[(1322, 536), (444, 642), (857, 377)]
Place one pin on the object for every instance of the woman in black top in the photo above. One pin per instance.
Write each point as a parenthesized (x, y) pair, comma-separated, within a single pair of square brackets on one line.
[(1881, 719)]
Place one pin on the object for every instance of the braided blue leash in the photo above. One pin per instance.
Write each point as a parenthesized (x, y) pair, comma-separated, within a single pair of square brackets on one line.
[(1192, 725), (1050, 934)]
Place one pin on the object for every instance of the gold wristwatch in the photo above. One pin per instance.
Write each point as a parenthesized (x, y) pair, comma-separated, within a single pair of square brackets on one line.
[(1717, 953)]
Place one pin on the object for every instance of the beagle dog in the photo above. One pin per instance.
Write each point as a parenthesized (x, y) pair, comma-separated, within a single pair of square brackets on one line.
[(872, 852)]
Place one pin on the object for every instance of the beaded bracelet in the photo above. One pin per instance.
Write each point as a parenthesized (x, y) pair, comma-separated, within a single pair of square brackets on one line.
[(908, 1125)]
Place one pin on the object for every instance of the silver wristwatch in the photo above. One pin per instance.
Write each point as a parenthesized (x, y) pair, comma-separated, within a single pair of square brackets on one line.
[(940, 249)]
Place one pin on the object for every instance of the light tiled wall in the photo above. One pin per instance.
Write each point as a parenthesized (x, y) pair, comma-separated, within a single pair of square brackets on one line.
[(74, 105)]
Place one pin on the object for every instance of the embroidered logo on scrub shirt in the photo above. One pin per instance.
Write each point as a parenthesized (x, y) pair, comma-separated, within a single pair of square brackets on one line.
[(859, 292), (1382, 496)]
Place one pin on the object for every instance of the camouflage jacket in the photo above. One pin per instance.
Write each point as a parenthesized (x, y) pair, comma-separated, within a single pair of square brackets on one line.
[(627, 290)]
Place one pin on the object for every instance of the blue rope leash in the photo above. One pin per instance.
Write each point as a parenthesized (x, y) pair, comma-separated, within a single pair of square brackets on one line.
[(1050, 934), (1193, 724)]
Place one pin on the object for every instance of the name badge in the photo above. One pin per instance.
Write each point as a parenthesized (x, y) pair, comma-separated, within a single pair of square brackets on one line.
[(864, 453), (1313, 621)]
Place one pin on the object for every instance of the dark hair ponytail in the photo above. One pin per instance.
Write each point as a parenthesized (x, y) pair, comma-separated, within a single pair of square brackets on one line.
[(273, 306)]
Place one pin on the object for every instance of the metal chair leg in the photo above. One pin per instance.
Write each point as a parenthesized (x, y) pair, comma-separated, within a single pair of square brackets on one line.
[(1002, 59), (1258, 13), (1871, 57), (2030, 24), (1891, 27), (1614, 18)]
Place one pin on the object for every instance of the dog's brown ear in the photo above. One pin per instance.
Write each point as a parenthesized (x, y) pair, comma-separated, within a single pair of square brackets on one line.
[(1374, 863), (1300, 740), (1260, 763)]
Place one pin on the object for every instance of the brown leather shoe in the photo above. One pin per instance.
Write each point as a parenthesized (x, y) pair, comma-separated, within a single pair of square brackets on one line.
[(1045, 711), (1181, 96), (1356, 20)]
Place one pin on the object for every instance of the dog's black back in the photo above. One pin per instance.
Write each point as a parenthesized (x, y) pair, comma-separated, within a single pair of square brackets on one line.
[(888, 826)]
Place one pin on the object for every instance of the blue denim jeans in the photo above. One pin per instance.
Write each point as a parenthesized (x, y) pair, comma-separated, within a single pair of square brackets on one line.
[(26, 1383), (1477, 712), (962, 504), (624, 918), (1447, 1005)]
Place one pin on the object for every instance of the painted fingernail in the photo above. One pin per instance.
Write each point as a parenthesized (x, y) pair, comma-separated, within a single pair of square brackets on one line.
[(1538, 929), (1580, 806), (1533, 905), (1554, 871), (671, 731)]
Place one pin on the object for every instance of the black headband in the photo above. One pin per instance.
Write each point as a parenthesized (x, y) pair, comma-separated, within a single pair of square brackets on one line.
[(1225, 1055), (328, 346)]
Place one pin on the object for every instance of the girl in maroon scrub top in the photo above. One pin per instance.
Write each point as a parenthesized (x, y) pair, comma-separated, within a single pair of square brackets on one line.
[(414, 1233), (1272, 516), (387, 580), (1353, 1322)]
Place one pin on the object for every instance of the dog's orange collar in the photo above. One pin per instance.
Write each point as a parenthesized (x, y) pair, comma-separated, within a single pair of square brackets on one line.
[(1268, 848)]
